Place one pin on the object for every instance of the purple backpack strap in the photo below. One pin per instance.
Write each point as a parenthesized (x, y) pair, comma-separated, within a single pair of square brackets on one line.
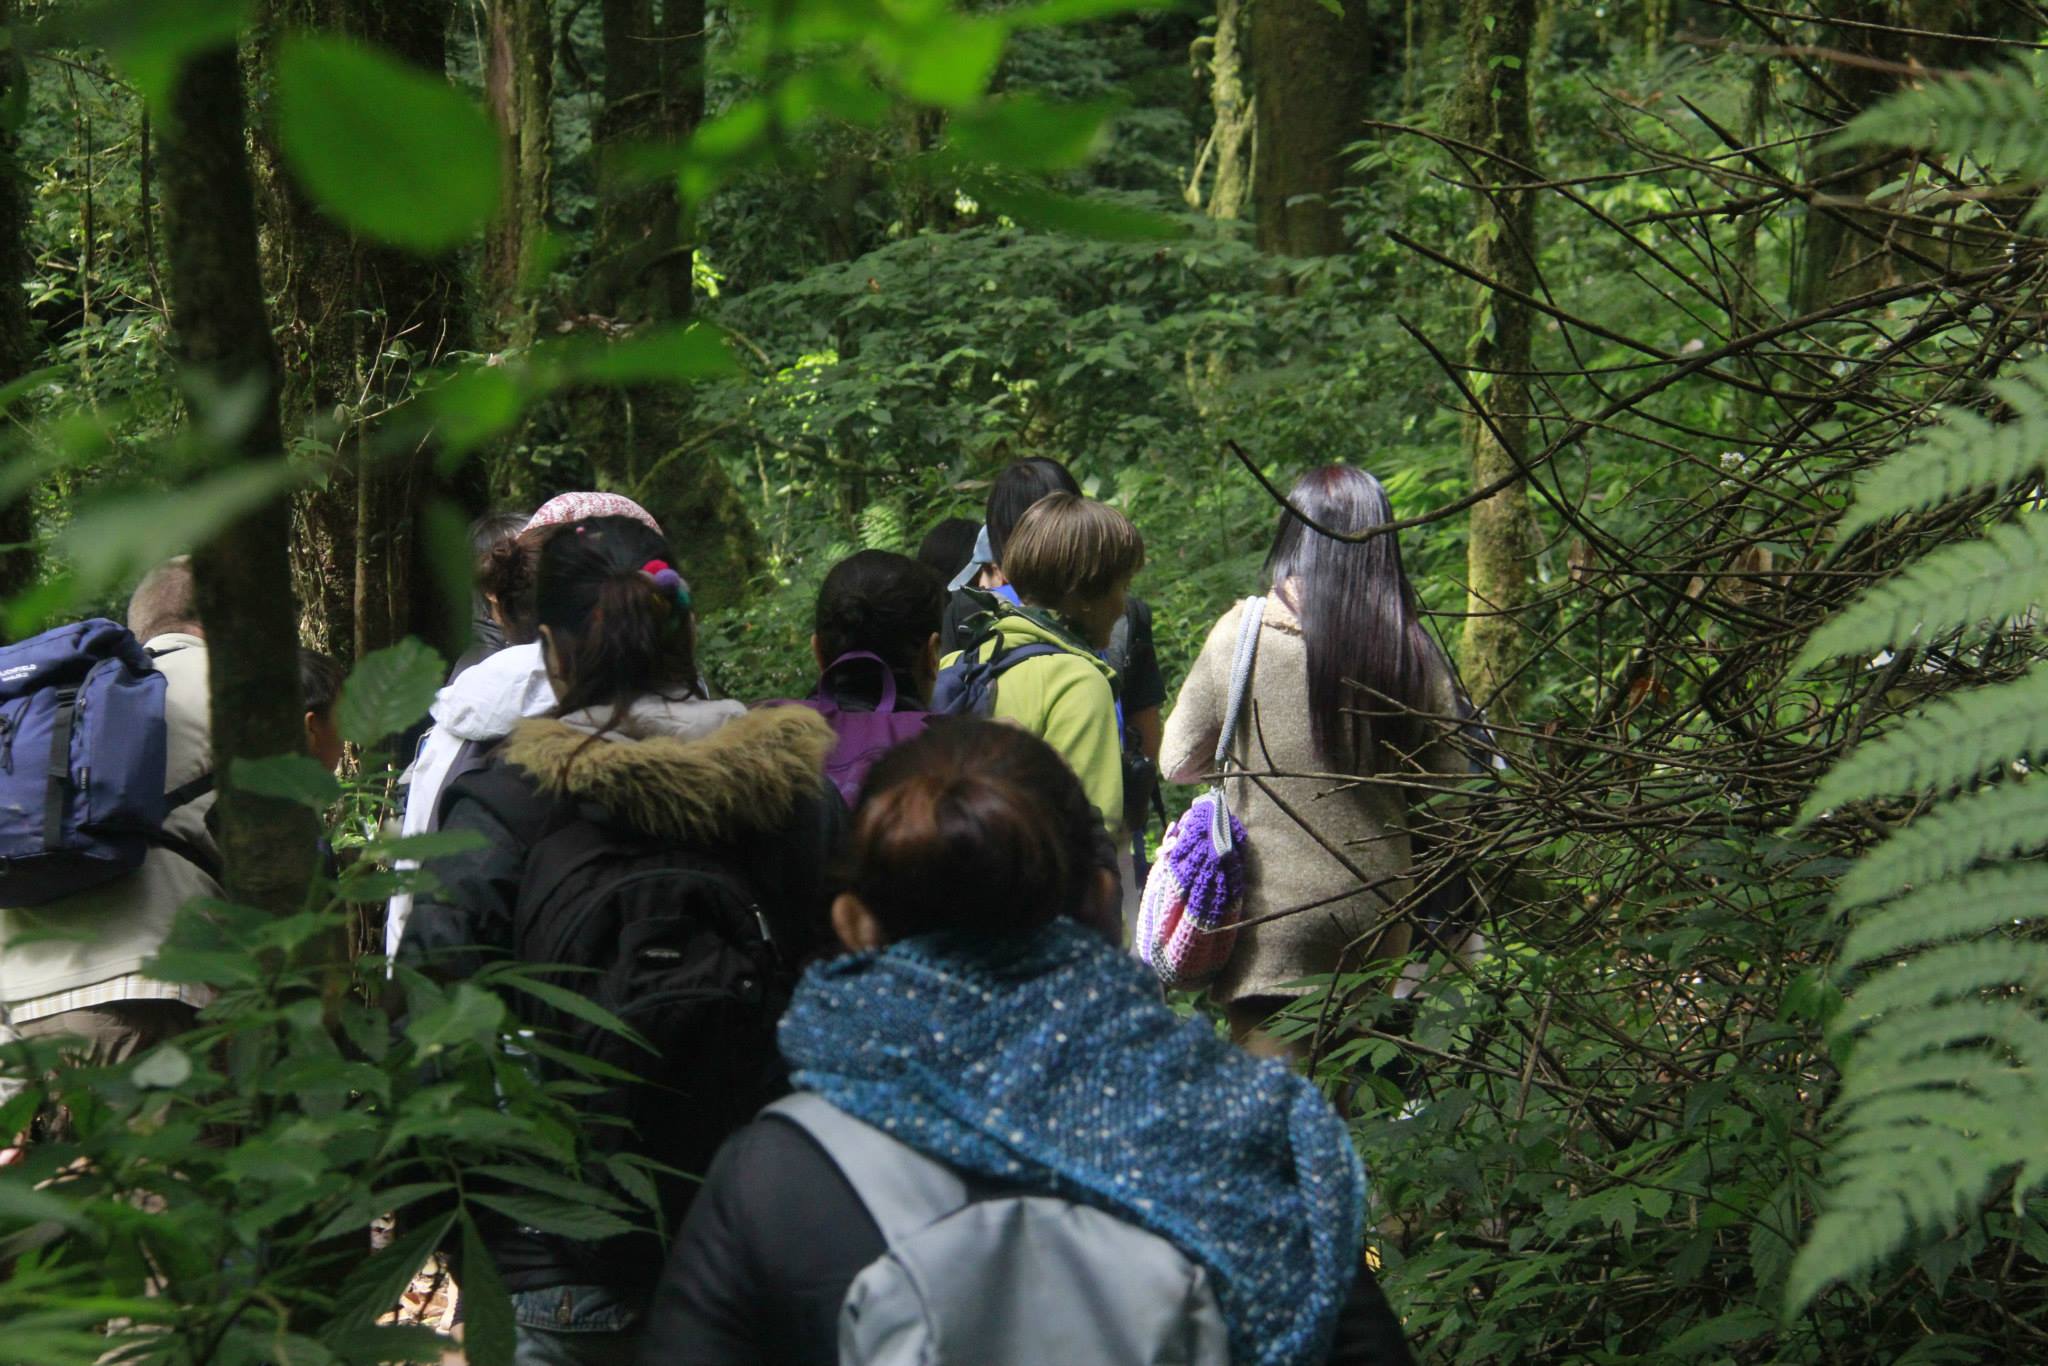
[(888, 703)]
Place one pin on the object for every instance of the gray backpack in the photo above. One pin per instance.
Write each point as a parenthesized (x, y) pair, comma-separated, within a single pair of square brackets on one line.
[(1021, 1280)]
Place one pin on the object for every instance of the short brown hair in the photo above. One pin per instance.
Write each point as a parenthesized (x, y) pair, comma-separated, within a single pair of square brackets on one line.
[(975, 827), (1066, 546)]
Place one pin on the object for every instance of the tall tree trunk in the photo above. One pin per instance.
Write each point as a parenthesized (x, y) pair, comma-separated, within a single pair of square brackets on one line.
[(1841, 253), (1492, 112), (1226, 159), (358, 321), (1310, 74), (243, 574), (18, 351), (519, 87), (643, 441)]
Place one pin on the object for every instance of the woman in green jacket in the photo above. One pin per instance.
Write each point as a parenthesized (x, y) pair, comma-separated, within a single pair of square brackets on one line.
[(1071, 561)]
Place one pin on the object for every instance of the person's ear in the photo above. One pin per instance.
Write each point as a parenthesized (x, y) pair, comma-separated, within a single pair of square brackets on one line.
[(928, 664), (818, 651), (855, 924)]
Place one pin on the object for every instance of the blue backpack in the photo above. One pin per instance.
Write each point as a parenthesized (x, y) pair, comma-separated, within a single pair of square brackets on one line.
[(967, 686), (82, 755)]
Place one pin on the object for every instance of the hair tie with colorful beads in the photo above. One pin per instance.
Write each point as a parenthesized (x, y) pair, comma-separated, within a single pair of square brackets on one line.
[(663, 576)]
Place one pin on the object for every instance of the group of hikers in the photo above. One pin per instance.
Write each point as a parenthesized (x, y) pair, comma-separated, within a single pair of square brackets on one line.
[(871, 944)]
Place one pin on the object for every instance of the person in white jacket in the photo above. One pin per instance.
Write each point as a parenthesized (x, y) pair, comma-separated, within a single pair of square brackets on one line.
[(482, 704)]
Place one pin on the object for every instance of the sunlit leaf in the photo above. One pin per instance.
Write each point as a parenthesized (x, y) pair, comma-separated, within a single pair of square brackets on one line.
[(116, 537), (467, 1014), (391, 151), (428, 844), (151, 39), (475, 405), (948, 64), (389, 690), (657, 355), (1027, 133), (169, 1066)]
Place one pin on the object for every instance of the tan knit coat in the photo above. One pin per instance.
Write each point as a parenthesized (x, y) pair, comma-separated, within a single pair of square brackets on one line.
[(1294, 823)]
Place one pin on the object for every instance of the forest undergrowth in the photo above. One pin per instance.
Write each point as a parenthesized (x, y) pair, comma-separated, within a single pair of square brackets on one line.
[(1750, 1070)]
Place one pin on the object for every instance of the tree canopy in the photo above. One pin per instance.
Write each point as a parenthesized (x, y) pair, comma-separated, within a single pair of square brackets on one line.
[(1698, 344)]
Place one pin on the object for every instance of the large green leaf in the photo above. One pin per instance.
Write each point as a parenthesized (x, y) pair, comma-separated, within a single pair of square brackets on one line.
[(947, 62), (393, 152), (114, 538), (657, 355), (568, 1218), (150, 39), (374, 1286), (488, 1333), (1026, 132), (467, 1014), (288, 777), (390, 690)]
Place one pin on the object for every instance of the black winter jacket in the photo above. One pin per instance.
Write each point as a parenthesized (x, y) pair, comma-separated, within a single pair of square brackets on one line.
[(776, 1238), (751, 791)]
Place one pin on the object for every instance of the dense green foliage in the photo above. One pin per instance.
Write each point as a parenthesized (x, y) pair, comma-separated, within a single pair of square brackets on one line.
[(1751, 1069)]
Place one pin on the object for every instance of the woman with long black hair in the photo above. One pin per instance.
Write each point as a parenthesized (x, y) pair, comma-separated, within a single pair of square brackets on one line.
[(1350, 697), (667, 849)]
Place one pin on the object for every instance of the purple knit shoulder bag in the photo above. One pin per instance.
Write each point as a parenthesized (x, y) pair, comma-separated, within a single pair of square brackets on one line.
[(1194, 898)]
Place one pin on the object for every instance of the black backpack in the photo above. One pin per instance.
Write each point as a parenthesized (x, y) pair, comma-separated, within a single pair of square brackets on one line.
[(675, 943)]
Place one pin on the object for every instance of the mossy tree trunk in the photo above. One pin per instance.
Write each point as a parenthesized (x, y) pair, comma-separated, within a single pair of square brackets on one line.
[(1842, 253), (1226, 160), (357, 321), (519, 87), (1310, 70), (1491, 111), (644, 441), (243, 574), (18, 350)]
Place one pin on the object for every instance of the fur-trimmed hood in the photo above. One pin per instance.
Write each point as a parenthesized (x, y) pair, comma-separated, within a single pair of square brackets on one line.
[(748, 774)]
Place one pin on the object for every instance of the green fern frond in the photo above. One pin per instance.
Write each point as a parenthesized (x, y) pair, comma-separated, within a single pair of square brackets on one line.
[(883, 527), (1927, 1131), (1994, 116), (1990, 823), (1952, 743), (1888, 1053), (1991, 579), (1978, 902), (1953, 972), (1965, 454)]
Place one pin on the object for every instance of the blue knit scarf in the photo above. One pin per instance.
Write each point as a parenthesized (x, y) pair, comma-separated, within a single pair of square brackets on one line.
[(1049, 1059)]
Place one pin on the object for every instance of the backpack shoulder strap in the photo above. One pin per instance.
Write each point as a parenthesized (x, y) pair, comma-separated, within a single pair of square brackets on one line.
[(1240, 674), (905, 1192), (1005, 660)]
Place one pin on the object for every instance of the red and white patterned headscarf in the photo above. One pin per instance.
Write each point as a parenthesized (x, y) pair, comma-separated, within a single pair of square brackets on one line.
[(574, 507)]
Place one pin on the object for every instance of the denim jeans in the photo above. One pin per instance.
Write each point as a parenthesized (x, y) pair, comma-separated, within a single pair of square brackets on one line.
[(574, 1325)]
